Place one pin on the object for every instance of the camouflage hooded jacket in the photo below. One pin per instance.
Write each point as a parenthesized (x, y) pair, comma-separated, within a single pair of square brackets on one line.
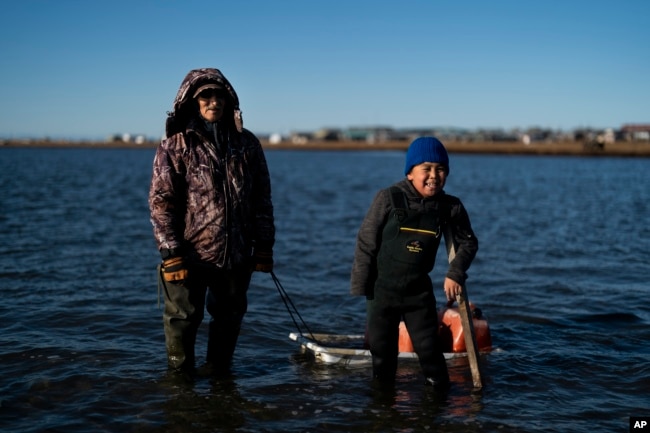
[(210, 193)]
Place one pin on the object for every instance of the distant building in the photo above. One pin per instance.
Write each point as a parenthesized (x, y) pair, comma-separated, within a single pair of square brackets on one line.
[(275, 138), (128, 138), (373, 134), (300, 137), (636, 132), (328, 134)]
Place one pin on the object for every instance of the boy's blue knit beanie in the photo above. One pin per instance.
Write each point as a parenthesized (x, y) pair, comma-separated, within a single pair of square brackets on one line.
[(425, 149)]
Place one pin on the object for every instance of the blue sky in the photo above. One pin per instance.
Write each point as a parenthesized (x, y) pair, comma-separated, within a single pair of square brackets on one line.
[(88, 69)]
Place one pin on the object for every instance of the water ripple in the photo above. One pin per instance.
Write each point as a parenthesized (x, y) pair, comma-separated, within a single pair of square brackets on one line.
[(562, 274)]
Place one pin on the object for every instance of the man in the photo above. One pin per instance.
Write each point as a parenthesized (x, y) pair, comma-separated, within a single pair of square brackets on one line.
[(212, 216)]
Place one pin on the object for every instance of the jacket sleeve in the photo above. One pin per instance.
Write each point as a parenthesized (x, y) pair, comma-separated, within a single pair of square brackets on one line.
[(264, 231), (364, 267), (167, 196), (461, 243)]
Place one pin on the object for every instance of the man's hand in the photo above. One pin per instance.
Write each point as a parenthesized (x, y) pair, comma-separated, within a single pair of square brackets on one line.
[(263, 260), (174, 270)]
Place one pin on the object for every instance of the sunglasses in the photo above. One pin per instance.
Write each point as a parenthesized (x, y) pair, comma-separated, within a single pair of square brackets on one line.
[(212, 93)]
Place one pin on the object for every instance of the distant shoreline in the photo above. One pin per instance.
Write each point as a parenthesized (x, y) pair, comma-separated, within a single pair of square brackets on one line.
[(626, 149)]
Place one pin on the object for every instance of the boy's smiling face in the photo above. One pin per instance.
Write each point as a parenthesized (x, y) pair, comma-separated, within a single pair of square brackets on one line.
[(428, 178)]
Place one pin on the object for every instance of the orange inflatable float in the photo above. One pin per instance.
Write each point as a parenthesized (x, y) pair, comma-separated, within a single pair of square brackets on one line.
[(404, 342), (451, 332)]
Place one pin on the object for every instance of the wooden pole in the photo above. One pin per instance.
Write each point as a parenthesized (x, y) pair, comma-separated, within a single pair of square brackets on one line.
[(470, 338)]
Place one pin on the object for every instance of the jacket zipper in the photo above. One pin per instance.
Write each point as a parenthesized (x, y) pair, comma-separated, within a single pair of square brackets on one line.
[(226, 190)]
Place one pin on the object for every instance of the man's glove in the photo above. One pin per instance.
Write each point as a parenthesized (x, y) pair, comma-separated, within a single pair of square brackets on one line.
[(174, 269), (263, 260)]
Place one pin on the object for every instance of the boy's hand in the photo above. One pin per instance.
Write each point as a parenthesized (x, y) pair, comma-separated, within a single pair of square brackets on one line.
[(452, 289)]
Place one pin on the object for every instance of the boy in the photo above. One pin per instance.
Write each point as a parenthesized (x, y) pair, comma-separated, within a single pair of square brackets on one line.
[(395, 252)]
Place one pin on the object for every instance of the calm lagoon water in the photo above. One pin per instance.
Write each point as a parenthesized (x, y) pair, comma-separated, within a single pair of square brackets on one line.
[(563, 274)]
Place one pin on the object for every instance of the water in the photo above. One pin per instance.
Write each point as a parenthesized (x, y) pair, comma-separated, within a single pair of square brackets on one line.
[(562, 273)]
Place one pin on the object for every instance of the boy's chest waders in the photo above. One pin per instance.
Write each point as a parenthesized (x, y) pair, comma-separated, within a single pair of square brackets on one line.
[(409, 245)]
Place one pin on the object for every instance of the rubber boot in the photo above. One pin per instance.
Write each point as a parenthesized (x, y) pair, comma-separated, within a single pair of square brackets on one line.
[(180, 348), (383, 336), (384, 367), (175, 353), (222, 341), (182, 317), (227, 304)]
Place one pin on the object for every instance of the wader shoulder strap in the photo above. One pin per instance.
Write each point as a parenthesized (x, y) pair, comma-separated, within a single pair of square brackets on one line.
[(397, 198)]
